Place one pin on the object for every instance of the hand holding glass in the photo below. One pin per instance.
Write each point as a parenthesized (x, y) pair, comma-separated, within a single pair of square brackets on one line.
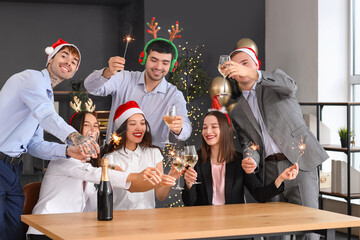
[(168, 118), (191, 157), (221, 68), (179, 165)]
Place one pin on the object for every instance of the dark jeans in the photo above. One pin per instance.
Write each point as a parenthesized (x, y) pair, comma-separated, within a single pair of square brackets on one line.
[(11, 201), (38, 237)]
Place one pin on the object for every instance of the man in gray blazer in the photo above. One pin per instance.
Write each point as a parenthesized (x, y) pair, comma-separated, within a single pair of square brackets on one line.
[(269, 115)]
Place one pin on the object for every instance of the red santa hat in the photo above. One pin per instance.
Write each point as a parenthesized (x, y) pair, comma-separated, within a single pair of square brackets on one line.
[(216, 106), (124, 111), (51, 51), (250, 52)]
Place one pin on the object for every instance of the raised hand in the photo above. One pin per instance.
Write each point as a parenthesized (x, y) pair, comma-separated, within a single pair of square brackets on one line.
[(167, 180), (116, 64), (151, 174), (190, 176), (249, 165), (86, 147), (288, 174), (177, 125)]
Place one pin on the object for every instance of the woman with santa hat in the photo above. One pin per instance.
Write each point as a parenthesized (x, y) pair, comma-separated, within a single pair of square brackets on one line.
[(71, 186), (132, 151)]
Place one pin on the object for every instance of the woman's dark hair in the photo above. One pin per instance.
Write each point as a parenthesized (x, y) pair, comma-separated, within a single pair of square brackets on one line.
[(77, 122), (226, 149), (121, 132)]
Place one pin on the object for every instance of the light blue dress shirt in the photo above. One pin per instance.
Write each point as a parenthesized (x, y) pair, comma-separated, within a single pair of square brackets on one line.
[(130, 85), (27, 107), (269, 144)]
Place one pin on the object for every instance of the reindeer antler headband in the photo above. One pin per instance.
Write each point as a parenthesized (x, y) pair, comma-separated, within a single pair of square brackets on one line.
[(76, 105), (154, 28)]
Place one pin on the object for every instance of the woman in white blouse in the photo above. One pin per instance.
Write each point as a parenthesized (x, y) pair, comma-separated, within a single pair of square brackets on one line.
[(134, 153), (68, 185)]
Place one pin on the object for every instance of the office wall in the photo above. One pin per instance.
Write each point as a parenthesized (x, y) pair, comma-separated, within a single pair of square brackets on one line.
[(309, 41), (218, 25), (28, 28)]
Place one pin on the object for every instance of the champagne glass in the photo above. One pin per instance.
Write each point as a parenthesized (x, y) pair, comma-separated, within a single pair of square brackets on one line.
[(169, 117), (191, 157), (221, 68), (95, 136), (179, 165)]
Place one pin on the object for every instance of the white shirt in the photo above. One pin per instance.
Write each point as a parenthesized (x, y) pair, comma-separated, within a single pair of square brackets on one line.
[(62, 187), (135, 162)]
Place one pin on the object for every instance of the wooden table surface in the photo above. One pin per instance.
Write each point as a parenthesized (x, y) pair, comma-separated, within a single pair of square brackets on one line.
[(191, 222)]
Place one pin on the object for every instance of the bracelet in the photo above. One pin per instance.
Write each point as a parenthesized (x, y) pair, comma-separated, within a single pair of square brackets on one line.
[(67, 156)]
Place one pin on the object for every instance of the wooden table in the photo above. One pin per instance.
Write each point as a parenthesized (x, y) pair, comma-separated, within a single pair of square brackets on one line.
[(255, 219)]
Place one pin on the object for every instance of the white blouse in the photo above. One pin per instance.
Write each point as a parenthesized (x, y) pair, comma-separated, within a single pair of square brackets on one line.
[(135, 162), (62, 188)]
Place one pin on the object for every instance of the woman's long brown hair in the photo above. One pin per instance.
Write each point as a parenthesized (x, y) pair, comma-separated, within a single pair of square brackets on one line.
[(77, 122), (121, 132), (226, 148)]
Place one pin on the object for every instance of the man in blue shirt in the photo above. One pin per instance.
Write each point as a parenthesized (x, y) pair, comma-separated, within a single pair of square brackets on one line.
[(148, 88), (27, 109)]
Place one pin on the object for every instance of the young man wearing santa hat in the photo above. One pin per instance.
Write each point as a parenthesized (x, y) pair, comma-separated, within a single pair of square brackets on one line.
[(27, 109), (148, 88), (268, 114)]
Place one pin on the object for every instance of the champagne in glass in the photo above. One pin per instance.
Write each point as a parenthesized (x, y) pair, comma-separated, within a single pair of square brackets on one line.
[(169, 117), (179, 165), (168, 120), (105, 194), (191, 157), (221, 68)]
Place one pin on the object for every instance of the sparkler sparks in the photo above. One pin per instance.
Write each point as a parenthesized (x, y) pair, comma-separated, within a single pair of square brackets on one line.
[(251, 147), (127, 39), (116, 138), (301, 147), (170, 149)]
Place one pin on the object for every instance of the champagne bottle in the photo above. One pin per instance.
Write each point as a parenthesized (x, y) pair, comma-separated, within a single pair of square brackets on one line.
[(105, 194)]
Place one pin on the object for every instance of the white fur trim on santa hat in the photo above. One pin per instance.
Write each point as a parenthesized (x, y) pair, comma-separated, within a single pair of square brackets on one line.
[(52, 52), (222, 109), (249, 52), (125, 115)]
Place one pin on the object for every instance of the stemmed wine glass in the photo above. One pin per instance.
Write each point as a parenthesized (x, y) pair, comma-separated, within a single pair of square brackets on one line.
[(168, 118), (221, 68), (179, 165), (191, 157)]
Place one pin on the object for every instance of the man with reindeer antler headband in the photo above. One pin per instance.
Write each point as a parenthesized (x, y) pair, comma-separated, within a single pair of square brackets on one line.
[(27, 109), (148, 88)]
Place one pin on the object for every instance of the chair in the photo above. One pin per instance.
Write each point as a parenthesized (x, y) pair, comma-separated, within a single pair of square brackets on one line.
[(31, 192)]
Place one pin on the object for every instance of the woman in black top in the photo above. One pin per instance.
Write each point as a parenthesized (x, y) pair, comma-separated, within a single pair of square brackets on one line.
[(219, 169)]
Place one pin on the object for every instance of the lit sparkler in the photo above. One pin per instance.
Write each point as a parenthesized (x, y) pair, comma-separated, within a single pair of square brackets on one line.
[(116, 138), (251, 147), (127, 39), (170, 155), (301, 147)]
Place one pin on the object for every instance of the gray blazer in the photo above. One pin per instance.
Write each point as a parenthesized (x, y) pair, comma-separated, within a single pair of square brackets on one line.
[(283, 118)]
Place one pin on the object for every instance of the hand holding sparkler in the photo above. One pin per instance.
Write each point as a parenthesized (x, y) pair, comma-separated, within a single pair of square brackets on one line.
[(288, 174), (248, 163), (116, 64)]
